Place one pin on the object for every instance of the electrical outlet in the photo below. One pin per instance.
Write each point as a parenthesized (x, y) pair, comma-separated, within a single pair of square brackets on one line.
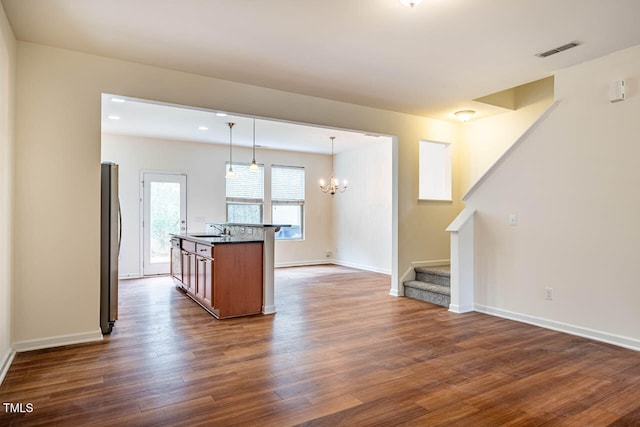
[(250, 230), (548, 294), (513, 220), (327, 254)]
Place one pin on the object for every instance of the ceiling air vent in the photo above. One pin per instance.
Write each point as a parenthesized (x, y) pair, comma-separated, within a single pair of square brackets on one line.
[(558, 49)]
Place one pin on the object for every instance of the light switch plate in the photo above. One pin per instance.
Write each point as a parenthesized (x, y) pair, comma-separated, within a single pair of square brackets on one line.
[(513, 219)]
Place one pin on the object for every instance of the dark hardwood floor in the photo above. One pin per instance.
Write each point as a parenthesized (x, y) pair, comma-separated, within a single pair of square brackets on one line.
[(340, 351)]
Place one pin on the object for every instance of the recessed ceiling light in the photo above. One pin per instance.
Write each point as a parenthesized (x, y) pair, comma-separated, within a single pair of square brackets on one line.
[(120, 100), (202, 128), (113, 117), (221, 114)]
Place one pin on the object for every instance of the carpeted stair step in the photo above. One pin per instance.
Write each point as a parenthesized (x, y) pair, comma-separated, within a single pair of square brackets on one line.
[(432, 285), (435, 275), (428, 292)]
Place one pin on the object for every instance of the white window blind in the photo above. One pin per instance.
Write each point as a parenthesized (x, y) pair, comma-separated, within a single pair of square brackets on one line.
[(246, 185), (287, 184)]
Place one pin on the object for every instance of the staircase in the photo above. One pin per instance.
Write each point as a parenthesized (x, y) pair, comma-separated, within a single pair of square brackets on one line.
[(432, 285)]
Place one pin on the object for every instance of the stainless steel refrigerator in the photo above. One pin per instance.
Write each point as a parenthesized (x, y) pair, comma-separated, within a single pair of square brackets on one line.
[(110, 237)]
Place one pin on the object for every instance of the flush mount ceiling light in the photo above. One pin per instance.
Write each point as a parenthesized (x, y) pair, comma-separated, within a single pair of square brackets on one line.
[(221, 114), (113, 117), (118, 100), (333, 186), (464, 115), (410, 3), (203, 128), (230, 173)]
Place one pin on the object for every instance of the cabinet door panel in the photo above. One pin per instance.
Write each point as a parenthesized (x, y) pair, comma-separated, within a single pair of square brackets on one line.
[(201, 279), (193, 279), (237, 279), (185, 270)]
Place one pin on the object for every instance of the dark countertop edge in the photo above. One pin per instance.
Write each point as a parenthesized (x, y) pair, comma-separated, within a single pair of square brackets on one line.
[(216, 240), (239, 224)]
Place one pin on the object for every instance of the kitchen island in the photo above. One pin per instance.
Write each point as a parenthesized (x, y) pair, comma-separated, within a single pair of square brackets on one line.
[(228, 269)]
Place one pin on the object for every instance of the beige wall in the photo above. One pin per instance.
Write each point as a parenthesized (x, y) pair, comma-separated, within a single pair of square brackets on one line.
[(57, 172), (7, 99), (204, 165), (572, 184), (482, 142)]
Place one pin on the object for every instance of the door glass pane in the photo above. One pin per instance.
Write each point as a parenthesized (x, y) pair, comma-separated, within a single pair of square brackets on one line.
[(164, 217)]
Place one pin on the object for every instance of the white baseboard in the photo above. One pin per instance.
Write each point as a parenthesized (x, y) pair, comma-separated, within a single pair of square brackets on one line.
[(362, 267), (396, 292), (432, 263), (455, 308), (6, 364), (268, 309), (335, 262), (303, 263), (57, 341), (130, 276), (619, 340)]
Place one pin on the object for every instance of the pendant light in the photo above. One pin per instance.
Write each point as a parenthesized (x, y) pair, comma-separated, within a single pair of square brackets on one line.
[(254, 166), (333, 186), (230, 172)]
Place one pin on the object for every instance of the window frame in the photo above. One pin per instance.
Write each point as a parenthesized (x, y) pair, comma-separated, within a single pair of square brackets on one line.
[(435, 171), (290, 202), (246, 201)]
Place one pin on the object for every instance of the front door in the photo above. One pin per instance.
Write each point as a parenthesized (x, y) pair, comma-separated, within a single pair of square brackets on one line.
[(164, 210)]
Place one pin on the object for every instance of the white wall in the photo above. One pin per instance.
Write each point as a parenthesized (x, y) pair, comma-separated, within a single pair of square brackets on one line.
[(204, 165), (57, 155), (7, 99), (573, 184), (362, 215)]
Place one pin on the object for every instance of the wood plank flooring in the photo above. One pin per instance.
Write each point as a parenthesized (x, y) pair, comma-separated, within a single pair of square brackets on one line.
[(340, 351)]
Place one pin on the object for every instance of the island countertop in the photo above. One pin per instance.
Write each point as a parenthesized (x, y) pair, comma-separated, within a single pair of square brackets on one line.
[(215, 239)]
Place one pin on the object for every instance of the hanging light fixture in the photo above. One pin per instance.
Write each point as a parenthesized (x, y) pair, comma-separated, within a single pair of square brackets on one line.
[(254, 166), (333, 186), (230, 172)]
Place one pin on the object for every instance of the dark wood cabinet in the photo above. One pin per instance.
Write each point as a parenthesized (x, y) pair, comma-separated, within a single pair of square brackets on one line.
[(237, 279), (225, 279), (204, 280), (176, 259)]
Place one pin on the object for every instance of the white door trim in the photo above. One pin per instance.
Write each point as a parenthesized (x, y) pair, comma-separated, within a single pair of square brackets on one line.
[(141, 210)]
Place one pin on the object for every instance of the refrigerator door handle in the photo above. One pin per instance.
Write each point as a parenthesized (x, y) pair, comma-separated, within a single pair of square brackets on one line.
[(119, 227)]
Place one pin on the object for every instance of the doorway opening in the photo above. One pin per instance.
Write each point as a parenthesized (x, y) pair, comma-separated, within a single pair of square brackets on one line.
[(164, 212)]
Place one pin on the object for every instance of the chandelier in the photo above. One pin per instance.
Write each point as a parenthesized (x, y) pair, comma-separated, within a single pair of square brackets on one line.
[(333, 186)]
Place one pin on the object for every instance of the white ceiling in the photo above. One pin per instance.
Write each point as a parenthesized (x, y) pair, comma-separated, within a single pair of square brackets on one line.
[(430, 60), (151, 119)]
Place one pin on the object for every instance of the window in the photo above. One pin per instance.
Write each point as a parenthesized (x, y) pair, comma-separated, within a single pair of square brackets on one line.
[(287, 201), (245, 194), (435, 171)]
